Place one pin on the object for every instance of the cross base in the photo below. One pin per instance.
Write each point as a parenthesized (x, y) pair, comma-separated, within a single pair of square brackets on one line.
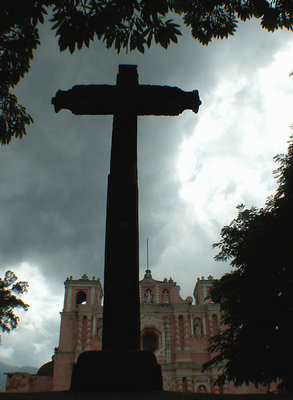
[(116, 370)]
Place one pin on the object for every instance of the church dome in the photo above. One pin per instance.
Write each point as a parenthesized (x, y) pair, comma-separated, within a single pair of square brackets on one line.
[(46, 369)]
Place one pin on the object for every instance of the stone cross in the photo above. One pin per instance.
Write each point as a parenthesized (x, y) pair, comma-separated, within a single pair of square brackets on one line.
[(126, 100)]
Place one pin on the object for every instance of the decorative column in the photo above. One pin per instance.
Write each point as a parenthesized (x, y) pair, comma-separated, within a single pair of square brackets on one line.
[(177, 333), (189, 384), (186, 333), (79, 333), (167, 340), (179, 384), (203, 318), (191, 326), (157, 295), (88, 333)]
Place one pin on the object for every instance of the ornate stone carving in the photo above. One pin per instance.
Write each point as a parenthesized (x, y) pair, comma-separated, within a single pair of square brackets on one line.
[(166, 299), (169, 383), (148, 297), (198, 328)]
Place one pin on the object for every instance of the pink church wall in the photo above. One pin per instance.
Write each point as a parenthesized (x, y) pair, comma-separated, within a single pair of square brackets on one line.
[(180, 331), (18, 382)]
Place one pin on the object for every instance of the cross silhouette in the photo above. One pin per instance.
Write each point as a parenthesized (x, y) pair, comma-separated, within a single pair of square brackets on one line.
[(125, 100)]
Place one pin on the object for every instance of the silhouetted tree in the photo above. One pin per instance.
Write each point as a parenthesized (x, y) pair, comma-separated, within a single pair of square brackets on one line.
[(256, 298), (10, 290), (128, 24)]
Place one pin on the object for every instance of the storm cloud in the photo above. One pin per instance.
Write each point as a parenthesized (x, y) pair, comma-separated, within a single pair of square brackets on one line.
[(193, 169)]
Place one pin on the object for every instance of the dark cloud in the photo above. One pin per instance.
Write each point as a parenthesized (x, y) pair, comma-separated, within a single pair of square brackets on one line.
[(53, 182)]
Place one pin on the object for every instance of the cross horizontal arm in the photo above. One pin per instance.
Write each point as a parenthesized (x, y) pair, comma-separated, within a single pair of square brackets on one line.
[(139, 100)]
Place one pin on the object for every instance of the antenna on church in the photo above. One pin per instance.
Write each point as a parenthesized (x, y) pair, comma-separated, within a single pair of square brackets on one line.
[(148, 273), (148, 265)]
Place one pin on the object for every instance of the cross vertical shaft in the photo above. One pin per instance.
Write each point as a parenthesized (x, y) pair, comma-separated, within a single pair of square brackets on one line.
[(121, 274), (121, 331)]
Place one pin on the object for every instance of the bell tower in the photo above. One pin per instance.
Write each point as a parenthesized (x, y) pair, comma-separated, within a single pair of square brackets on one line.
[(81, 326)]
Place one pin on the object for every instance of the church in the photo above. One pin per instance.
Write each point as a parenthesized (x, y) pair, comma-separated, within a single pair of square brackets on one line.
[(175, 329)]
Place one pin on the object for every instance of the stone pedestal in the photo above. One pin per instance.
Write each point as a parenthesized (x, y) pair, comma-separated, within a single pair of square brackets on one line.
[(113, 370)]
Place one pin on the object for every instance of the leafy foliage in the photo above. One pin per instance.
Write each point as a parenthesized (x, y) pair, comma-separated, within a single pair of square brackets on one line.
[(122, 24), (13, 118), (256, 299), (10, 290), (18, 38)]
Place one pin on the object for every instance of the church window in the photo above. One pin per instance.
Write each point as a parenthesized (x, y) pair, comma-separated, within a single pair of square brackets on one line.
[(150, 341), (80, 298)]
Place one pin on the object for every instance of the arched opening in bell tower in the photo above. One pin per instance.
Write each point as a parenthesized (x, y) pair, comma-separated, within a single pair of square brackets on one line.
[(80, 297)]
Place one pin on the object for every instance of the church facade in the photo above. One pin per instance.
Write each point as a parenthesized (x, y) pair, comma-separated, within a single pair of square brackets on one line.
[(176, 330)]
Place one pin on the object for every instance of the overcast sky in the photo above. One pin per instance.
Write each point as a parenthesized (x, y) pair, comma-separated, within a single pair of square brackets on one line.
[(193, 169)]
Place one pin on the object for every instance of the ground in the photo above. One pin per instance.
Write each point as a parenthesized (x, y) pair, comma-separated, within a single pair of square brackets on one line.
[(128, 395)]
